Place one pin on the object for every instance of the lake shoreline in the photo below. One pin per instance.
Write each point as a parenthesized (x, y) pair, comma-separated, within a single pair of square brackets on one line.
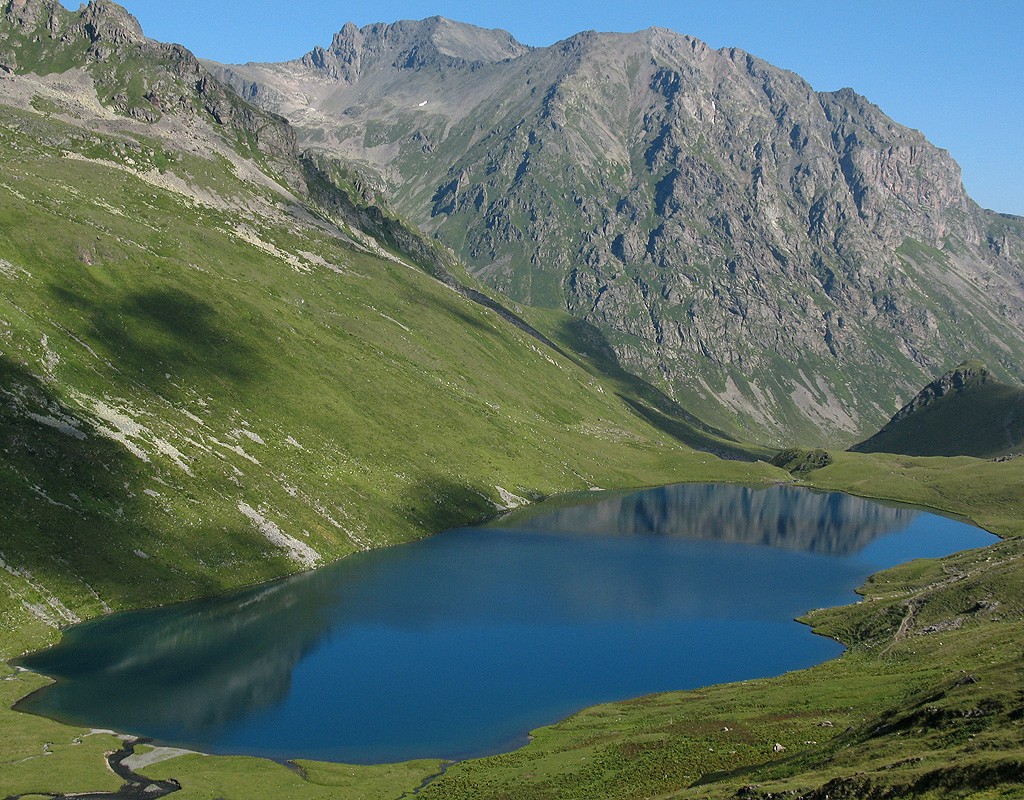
[(689, 591)]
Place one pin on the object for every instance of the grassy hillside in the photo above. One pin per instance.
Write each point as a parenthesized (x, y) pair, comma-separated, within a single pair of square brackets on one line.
[(981, 417), (211, 375), (196, 397)]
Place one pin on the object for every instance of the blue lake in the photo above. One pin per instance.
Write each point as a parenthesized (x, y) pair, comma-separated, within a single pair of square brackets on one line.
[(458, 645)]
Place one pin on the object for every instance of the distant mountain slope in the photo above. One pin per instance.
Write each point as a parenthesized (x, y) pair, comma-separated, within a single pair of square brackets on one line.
[(966, 412), (220, 361), (761, 250)]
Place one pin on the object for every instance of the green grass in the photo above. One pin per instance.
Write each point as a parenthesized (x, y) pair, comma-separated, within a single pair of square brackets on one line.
[(38, 754), (984, 420), (208, 778), (159, 374)]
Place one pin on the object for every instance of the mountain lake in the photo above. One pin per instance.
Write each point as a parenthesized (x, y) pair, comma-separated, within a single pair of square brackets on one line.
[(458, 645)]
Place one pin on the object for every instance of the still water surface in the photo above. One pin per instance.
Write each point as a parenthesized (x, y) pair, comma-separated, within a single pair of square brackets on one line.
[(458, 645)]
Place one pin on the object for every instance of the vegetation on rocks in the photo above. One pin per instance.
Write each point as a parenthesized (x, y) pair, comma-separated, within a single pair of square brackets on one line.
[(800, 462)]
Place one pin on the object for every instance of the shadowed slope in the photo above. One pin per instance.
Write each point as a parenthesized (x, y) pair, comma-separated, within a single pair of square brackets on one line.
[(966, 412)]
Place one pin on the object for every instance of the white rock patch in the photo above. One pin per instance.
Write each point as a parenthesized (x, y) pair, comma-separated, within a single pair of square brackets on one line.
[(9, 270), (511, 500), (50, 358), (65, 425), (300, 552), (53, 606), (254, 437)]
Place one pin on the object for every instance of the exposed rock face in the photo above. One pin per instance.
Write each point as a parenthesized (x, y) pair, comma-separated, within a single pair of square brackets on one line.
[(789, 258), (410, 45), (135, 76)]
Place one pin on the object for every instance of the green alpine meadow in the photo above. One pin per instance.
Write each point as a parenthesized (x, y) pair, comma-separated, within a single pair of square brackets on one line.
[(249, 329)]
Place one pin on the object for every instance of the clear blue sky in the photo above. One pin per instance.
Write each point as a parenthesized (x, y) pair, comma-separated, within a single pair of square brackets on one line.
[(953, 69)]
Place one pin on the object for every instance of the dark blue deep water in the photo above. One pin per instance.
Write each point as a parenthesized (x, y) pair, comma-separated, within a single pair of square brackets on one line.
[(458, 645)]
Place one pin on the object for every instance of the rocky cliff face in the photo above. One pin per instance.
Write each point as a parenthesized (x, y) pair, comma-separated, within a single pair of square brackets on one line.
[(778, 258)]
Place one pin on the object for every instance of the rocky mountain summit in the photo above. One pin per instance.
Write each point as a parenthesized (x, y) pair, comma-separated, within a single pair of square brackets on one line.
[(780, 259)]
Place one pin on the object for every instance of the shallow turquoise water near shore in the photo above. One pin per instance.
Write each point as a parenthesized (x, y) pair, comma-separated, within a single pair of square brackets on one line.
[(458, 645)]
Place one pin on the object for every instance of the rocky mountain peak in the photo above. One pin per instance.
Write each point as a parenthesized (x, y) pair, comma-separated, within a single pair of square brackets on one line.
[(106, 21), (411, 44), (29, 15), (101, 20), (710, 214)]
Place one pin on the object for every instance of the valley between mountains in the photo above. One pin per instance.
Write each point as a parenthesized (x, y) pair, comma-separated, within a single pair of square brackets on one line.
[(257, 318)]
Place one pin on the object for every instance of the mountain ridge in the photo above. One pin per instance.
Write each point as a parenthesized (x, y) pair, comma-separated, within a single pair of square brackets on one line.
[(757, 249)]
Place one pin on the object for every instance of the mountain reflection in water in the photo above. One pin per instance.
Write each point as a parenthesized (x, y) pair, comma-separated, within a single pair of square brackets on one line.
[(786, 517), (459, 644)]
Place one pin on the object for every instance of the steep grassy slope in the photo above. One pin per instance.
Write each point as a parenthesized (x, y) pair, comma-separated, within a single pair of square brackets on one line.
[(195, 398), (966, 412)]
